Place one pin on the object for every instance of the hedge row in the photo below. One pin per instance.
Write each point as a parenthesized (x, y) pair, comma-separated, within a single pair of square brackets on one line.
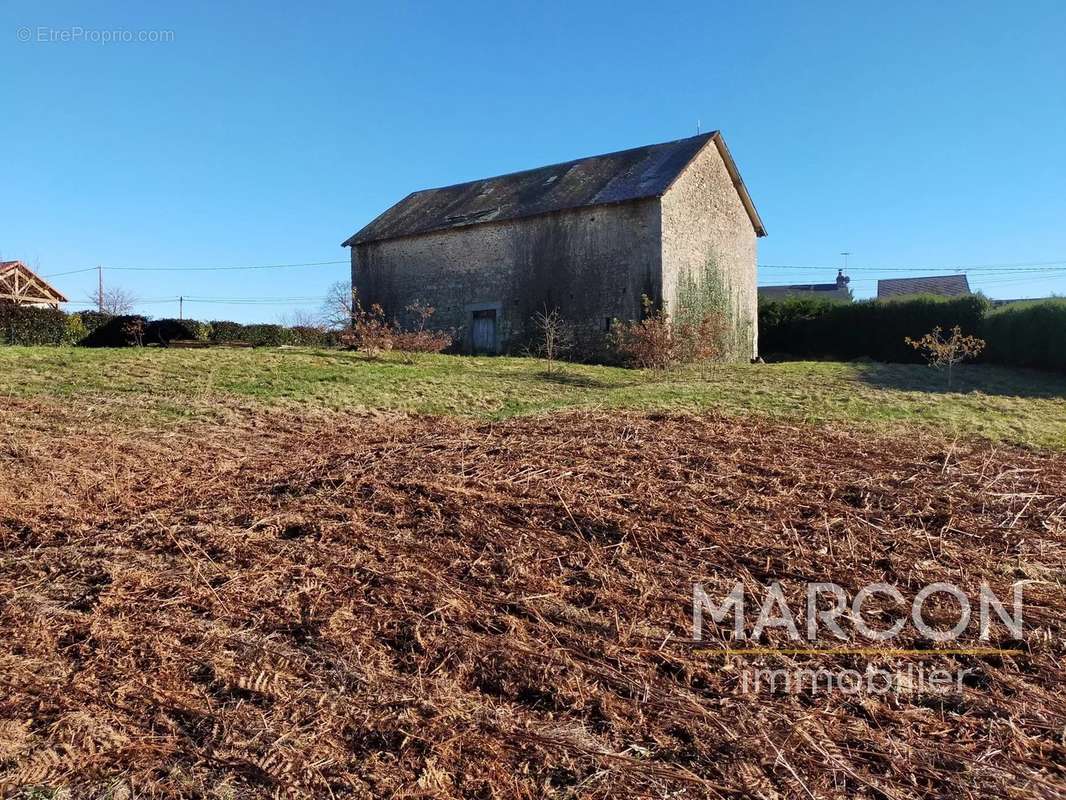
[(1019, 334), (1027, 334), (24, 325), (264, 335), (27, 325)]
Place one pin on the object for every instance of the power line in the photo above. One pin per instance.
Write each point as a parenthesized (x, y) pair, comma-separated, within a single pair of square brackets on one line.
[(72, 272)]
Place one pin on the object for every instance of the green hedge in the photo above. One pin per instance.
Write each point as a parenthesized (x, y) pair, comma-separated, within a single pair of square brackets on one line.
[(307, 336), (92, 319), (264, 335), (876, 329), (22, 325), (32, 326), (223, 332), (257, 335), (1031, 334)]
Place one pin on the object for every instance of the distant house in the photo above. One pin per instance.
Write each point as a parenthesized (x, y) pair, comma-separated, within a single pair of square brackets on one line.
[(588, 238), (22, 286), (943, 285), (1010, 301), (823, 291)]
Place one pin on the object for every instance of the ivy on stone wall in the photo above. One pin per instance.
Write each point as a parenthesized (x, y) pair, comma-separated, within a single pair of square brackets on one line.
[(702, 293)]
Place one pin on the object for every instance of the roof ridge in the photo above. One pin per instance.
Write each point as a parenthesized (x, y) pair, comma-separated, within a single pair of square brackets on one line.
[(571, 162), (926, 277)]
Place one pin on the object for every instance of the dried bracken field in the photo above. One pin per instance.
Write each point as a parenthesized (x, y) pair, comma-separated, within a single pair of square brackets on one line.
[(392, 606)]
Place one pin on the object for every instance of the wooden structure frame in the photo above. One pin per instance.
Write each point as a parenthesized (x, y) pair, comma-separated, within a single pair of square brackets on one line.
[(22, 286)]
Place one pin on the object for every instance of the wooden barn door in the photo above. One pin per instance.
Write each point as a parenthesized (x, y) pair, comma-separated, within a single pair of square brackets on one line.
[(483, 331)]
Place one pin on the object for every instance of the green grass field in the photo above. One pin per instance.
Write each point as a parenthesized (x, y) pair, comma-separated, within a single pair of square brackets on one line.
[(1015, 406)]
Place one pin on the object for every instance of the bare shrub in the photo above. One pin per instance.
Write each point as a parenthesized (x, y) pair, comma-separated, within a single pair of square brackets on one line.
[(419, 338), (554, 339), (660, 343), (944, 352), (371, 333), (645, 344)]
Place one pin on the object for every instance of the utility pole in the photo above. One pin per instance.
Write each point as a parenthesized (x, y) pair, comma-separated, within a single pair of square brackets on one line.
[(100, 288), (845, 254), (181, 308)]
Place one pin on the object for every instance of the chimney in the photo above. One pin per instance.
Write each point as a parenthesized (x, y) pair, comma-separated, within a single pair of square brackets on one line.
[(842, 280)]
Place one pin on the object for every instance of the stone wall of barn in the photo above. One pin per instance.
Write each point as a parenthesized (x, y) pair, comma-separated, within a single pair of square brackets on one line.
[(592, 264), (708, 240)]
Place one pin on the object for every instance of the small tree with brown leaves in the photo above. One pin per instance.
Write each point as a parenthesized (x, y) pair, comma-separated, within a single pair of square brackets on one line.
[(554, 337), (370, 333), (944, 352), (133, 330)]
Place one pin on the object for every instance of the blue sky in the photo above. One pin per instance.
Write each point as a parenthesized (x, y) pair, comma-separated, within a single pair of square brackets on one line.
[(923, 135)]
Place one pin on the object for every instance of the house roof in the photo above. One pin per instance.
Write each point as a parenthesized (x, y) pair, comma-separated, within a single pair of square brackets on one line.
[(598, 180), (829, 291), (32, 289), (944, 285), (1009, 301)]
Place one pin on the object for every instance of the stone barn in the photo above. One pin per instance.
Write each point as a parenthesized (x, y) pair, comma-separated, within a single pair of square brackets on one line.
[(589, 238)]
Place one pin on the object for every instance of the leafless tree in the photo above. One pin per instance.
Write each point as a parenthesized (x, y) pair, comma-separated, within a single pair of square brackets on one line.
[(301, 318), (116, 301), (338, 309), (554, 336)]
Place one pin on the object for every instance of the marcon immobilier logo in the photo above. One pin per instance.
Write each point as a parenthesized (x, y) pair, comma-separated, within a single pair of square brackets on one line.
[(826, 609)]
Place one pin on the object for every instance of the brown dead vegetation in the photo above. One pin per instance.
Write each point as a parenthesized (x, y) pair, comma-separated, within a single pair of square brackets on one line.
[(368, 607)]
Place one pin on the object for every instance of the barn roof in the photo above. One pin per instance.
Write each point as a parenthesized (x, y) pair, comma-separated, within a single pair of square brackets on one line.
[(598, 180), (31, 288), (944, 285)]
